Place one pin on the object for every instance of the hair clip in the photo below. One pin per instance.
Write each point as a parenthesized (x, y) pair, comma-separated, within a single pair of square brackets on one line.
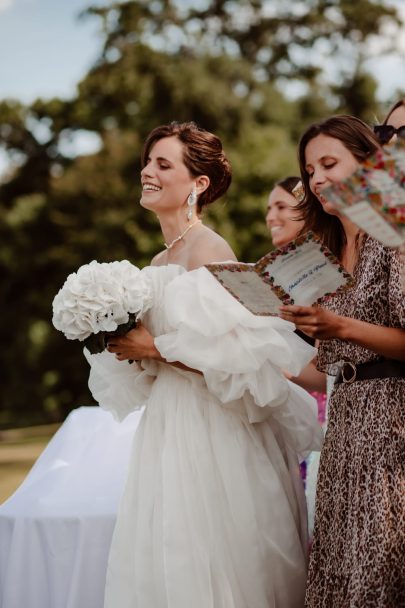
[(298, 191)]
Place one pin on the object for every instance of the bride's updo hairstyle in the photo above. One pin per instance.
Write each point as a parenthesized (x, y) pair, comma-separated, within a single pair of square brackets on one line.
[(202, 155)]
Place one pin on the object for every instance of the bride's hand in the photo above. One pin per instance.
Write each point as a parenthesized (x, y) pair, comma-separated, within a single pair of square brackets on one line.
[(135, 345)]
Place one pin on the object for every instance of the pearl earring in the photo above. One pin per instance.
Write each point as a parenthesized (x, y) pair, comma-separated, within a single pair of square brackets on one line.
[(191, 201)]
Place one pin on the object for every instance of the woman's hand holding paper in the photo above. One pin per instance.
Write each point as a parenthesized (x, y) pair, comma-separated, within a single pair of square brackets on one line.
[(314, 321)]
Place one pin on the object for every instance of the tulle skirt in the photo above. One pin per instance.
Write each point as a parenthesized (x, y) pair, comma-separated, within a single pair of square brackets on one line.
[(213, 514)]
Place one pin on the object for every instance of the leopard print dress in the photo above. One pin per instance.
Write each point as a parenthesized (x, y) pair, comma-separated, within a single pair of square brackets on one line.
[(358, 553)]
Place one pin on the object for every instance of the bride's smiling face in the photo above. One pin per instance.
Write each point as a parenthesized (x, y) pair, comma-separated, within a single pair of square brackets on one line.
[(166, 181), (327, 161)]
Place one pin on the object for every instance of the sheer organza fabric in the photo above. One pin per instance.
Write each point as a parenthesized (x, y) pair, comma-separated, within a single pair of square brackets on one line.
[(213, 514)]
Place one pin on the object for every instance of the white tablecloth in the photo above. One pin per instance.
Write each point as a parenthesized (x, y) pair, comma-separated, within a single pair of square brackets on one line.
[(55, 531)]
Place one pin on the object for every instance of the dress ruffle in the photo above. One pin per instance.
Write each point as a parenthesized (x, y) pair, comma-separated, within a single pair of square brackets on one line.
[(119, 387), (241, 355)]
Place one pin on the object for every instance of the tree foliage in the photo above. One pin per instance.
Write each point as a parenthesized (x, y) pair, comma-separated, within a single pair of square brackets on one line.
[(222, 63)]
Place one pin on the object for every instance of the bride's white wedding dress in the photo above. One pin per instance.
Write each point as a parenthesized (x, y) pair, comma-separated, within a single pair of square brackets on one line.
[(213, 514)]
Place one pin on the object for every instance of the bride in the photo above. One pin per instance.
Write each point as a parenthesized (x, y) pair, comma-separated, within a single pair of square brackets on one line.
[(213, 512)]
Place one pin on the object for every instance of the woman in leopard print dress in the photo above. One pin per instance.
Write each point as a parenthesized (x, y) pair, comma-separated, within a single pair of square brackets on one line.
[(358, 554)]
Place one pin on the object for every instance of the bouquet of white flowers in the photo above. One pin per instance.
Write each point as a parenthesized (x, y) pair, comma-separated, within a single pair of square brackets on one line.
[(100, 300)]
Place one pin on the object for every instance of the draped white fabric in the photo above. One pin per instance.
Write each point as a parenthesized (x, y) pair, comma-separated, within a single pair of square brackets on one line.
[(313, 466), (55, 531), (213, 514)]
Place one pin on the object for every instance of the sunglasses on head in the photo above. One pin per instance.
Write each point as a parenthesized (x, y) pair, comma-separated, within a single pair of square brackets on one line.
[(385, 132)]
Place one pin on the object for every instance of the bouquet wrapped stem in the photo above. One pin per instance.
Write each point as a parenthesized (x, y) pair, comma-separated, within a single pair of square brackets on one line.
[(96, 343)]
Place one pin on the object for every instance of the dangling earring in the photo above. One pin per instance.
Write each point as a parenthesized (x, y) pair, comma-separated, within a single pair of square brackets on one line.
[(191, 201)]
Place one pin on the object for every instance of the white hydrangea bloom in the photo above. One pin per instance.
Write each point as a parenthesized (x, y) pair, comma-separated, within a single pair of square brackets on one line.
[(99, 297)]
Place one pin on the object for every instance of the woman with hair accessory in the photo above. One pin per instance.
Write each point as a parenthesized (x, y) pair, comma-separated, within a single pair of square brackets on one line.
[(282, 219), (213, 513), (284, 223), (357, 556)]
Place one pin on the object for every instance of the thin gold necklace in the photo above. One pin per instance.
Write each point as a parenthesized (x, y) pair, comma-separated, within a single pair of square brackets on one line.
[(182, 235)]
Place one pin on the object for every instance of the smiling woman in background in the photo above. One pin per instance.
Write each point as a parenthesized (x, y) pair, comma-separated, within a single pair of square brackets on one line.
[(282, 218), (284, 223)]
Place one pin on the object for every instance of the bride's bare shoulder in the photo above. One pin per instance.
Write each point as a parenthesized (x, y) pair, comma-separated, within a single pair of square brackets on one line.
[(159, 259), (210, 247)]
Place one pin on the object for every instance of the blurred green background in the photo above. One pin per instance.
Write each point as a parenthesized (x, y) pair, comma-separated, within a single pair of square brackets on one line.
[(255, 73)]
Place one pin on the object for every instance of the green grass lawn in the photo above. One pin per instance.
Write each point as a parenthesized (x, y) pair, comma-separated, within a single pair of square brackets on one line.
[(19, 449)]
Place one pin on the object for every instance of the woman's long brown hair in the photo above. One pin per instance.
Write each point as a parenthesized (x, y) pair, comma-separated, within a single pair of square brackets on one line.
[(360, 140)]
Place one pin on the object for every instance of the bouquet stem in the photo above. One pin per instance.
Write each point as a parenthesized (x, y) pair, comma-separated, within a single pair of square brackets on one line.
[(97, 343)]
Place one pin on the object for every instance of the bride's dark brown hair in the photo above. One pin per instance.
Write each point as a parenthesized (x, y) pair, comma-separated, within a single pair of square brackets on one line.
[(203, 154), (359, 139)]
